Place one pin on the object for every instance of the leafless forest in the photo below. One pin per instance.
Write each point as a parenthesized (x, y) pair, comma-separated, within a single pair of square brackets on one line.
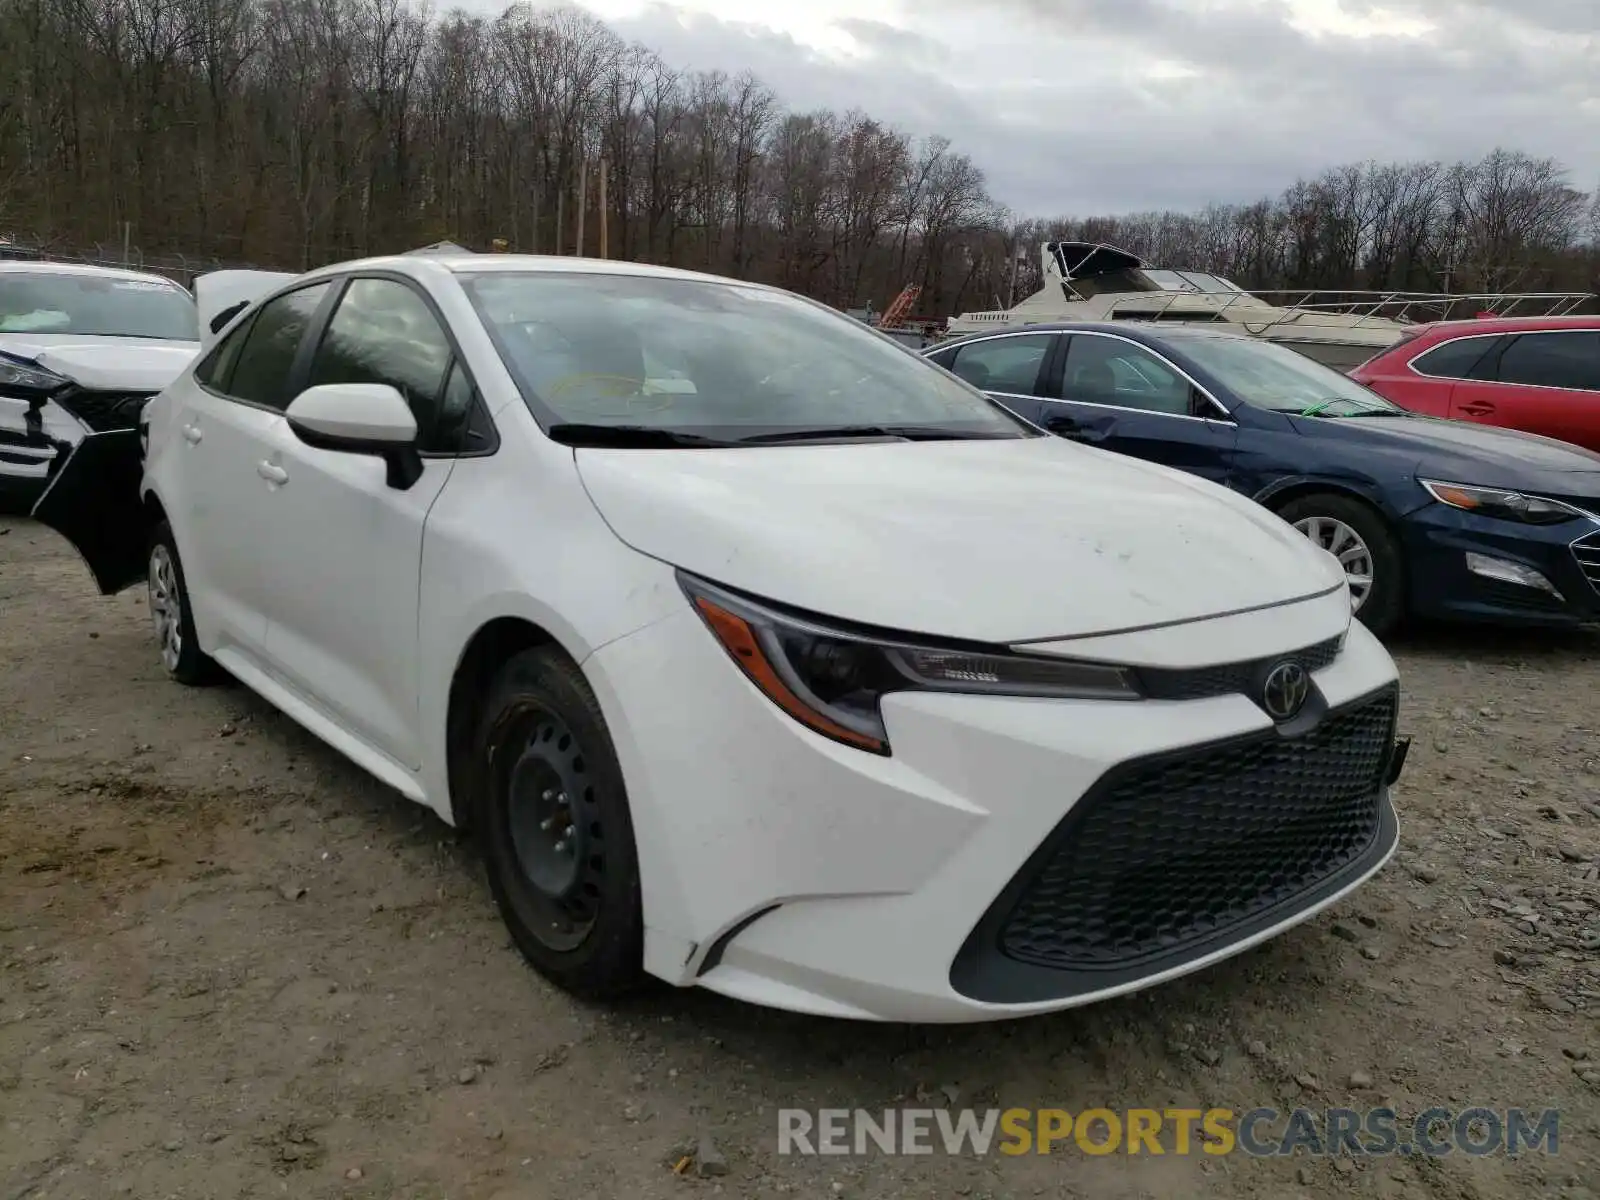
[(294, 132)]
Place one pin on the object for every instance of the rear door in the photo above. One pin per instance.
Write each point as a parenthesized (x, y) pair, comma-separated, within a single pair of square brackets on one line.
[(1121, 396), (224, 425), (1545, 382), (1013, 368), (1426, 381)]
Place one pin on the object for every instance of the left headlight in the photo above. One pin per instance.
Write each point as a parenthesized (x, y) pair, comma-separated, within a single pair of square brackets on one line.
[(831, 679), (22, 380), (1496, 502)]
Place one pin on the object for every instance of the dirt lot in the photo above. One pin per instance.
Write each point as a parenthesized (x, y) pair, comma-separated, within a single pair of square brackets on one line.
[(232, 965)]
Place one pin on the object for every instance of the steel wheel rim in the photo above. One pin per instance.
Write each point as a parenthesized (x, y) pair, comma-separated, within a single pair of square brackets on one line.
[(1346, 545), (166, 606), (557, 842)]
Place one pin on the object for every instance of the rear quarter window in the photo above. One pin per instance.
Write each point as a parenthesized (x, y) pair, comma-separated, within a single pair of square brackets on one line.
[(1554, 360)]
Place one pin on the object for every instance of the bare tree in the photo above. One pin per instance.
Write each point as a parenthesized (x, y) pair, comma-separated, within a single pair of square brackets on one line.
[(294, 132)]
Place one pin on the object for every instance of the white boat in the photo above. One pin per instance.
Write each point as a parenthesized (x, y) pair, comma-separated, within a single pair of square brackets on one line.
[(1088, 281)]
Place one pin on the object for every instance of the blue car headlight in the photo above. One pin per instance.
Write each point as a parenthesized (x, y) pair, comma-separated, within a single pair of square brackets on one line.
[(1497, 502)]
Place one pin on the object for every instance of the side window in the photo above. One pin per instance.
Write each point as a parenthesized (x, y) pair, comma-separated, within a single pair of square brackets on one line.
[(383, 332), (261, 372), (1454, 359), (463, 422), (1558, 360), (1005, 364), (1103, 370), (215, 368)]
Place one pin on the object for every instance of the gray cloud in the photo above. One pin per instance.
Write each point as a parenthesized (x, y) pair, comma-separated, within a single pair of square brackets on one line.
[(1060, 103)]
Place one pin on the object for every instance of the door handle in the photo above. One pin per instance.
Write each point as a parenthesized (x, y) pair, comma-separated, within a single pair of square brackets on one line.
[(271, 472), (1477, 408), (192, 434), (1066, 427)]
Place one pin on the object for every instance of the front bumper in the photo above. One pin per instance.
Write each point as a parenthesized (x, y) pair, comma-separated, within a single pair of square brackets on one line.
[(1439, 538), (32, 449), (784, 869)]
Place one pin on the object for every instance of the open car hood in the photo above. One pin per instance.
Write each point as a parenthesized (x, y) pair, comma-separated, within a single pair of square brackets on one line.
[(990, 541)]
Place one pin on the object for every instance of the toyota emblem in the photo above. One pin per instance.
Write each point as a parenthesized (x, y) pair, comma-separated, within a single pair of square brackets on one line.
[(1284, 693)]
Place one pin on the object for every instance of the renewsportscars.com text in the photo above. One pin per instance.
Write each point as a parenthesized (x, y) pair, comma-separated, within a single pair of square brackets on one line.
[(1258, 1132)]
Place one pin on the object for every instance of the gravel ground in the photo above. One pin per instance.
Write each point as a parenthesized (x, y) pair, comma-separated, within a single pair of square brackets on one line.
[(232, 965)]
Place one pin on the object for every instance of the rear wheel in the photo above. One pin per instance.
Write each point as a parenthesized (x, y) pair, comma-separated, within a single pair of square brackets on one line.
[(556, 830), (1366, 548), (172, 616)]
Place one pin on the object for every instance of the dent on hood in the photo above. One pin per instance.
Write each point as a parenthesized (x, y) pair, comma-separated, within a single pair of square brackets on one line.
[(986, 541)]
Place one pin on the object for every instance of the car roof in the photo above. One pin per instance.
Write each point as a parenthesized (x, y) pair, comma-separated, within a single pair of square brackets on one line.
[(466, 262), (1443, 329), (1142, 331), (11, 266)]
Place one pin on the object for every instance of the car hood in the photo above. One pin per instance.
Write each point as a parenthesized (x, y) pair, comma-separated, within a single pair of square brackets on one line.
[(104, 363), (1463, 452), (992, 541)]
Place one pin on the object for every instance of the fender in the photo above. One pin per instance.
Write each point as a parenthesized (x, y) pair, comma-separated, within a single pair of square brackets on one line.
[(1280, 489)]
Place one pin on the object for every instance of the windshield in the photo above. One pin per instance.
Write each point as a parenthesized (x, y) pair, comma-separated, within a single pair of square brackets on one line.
[(96, 305), (714, 360), (1267, 375), (1190, 281)]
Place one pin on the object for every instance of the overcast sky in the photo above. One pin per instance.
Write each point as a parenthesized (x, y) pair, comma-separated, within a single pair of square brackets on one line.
[(1090, 106)]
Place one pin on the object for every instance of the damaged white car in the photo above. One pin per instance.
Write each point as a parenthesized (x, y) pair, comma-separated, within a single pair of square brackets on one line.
[(82, 348)]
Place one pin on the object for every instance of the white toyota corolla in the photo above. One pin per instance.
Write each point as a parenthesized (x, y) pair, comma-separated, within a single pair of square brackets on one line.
[(760, 653)]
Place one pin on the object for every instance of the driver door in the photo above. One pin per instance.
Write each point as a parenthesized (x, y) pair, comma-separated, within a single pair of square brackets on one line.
[(1113, 393), (341, 550)]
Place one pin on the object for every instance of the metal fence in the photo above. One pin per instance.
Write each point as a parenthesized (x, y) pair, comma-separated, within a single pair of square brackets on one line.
[(181, 268)]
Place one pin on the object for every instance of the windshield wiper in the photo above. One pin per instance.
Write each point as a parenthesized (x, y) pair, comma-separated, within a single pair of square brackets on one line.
[(1379, 407), (910, 433), (641, 437)]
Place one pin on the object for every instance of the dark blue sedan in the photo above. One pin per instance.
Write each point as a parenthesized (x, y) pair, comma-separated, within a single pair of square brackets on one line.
[(1431, 518)]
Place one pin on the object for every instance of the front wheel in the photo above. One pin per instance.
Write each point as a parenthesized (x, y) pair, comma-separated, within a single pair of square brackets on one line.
[(1366, 548), (556, 830)]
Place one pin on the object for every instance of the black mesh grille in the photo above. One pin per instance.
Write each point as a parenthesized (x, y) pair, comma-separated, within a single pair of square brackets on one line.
[(1587, 552), (1523, 599), (1230, 678), (105, 411), (1178, 849)]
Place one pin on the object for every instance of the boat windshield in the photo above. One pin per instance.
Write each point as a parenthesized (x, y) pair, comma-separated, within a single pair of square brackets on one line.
[(1191, 281)]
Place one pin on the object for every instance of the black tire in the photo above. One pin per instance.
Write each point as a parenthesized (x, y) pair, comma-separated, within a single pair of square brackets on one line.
[(549, 778), (1385, 605), (189, 665)]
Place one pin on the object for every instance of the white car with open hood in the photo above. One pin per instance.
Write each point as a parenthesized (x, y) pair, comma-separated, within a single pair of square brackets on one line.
[(82, 348), (761, 654)]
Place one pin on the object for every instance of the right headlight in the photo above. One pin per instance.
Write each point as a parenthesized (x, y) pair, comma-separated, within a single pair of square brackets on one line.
[(1497, 502), (831, 679)]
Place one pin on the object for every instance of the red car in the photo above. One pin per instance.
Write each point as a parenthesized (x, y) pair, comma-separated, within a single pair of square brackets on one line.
[(1538, 374)]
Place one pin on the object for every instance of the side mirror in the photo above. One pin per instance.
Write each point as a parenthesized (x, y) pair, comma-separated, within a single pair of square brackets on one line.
[(360, 418)]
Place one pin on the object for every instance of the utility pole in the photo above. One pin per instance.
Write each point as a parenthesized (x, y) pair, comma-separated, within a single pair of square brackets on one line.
[(583, 198), (605, 219), (1011, 288)]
